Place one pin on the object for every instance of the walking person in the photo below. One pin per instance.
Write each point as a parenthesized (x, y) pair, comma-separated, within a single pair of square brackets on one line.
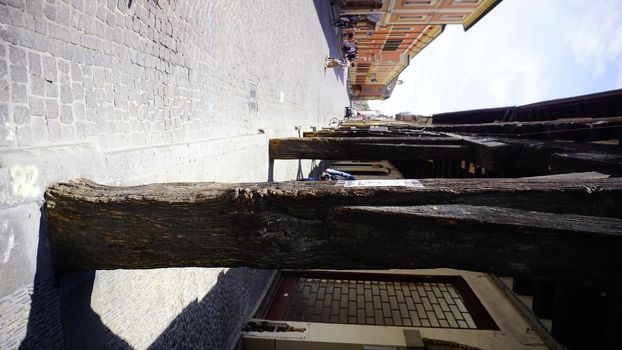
[(348, 44), (330, 62)]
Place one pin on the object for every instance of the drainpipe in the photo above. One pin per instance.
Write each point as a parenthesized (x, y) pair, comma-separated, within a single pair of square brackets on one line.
[(389, 10)]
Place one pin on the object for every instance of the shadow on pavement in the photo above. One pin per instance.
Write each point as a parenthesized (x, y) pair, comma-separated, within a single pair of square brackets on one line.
[(230, 301), (325, 14), (61, 316), (214, 322), (44, 329), (82, 326)]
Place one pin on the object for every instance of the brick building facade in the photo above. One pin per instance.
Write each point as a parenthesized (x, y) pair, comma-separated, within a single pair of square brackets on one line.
[(390, 33)]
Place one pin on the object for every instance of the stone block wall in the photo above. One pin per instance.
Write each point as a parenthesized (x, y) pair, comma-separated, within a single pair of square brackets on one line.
[(121, 73), (135, 91)]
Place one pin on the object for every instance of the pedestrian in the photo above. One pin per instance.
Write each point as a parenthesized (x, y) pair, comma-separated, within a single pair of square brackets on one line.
[(351, 56), (349, 38), (345, 22), (348, 45), (330, 62)]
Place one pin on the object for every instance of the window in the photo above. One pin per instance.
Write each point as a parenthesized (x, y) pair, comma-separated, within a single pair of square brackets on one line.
[(419, 2), (362, 4), (410, 18), (452, 17), (376, 299), (392, 44)]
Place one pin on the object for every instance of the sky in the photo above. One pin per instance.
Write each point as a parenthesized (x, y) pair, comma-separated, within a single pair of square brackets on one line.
[(523, 51)]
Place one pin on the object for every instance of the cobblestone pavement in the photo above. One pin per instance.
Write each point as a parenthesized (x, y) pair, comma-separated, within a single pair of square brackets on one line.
[(137, 91), (101, 73), (144, 76)]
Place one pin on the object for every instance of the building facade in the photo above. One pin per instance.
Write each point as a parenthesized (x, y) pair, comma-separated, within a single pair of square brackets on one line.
[(389, 33)]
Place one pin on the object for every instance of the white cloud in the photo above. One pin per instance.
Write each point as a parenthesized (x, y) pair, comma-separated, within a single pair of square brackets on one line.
[(596, 37)]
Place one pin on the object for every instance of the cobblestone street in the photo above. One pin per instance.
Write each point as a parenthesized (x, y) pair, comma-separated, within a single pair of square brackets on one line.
[(130, 92)]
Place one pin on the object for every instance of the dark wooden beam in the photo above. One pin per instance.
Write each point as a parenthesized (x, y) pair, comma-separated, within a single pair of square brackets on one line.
[(351, 133), (497, 240), (446, 139), (501, 157), (581, 130), (578, 129), (487, 152), (543, 297), (579, 161), (531, 157), (293, 224), (522, 285), (367, 148), (476, 116), (589, 175), (365, 131), (598, 105), (563, 146)]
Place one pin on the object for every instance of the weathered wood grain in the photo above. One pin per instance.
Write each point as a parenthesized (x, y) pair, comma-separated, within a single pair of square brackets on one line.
[(583, 130), (498, 240), (367, 148), (605, 162), (269, 225), (578, 130)]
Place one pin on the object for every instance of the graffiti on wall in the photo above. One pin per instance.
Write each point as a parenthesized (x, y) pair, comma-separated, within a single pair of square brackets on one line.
[(24, 181)]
